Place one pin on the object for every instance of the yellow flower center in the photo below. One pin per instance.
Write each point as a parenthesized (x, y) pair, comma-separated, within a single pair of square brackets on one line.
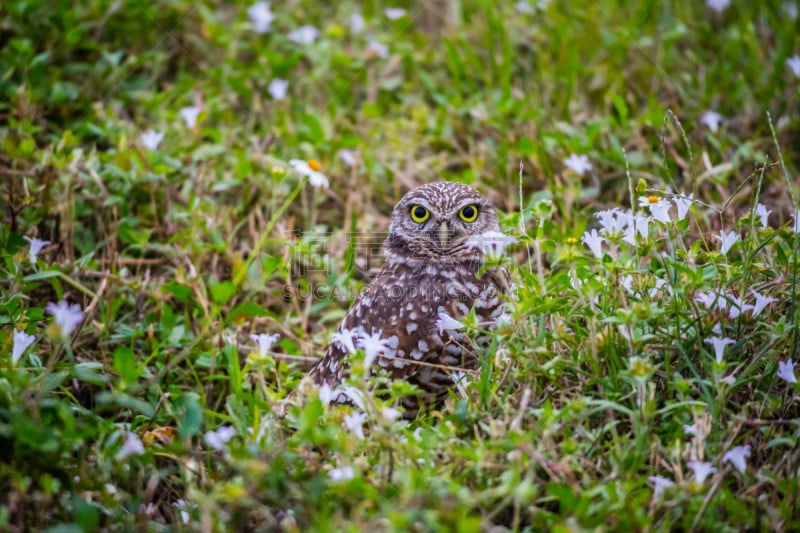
[(572, 240), (652, 199), (314, 165)]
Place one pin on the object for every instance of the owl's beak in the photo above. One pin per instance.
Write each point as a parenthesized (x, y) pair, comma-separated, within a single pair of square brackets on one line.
[(444, 235)]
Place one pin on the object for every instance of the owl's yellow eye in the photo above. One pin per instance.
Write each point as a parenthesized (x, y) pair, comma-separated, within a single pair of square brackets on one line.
[(419, 214), (469, 213)]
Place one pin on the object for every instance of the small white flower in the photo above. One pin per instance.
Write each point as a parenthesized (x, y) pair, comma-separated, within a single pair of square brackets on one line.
[(627, 283), (491, 243), (189, 115), (373, 346), (579, 164), (278, 88), (445, 322), (219, 438), (737, 306), (737, 456), (660, 484), (390, 414), (394, 13), (505, 319), (690, 430), (376, 49), (796, 218), (614, 221), (794, 64), (461, 381), (344, 338), (660, 210), (304, 35), (357, 23), (348, 157), (719, 344), (727, 240), (151, 139), (36, 246), (595, 243), (132, 446), (701, 470), (325, 394), (786, 371), (311, 170), (524, 7), (344, 473), (21, 343), (790, 9), (761, 302), (264, 342), (718, 5), (763, 214), (712, 120), (729, 379), (67, 316), (355, 424), (111, 488), (260, 17), (683, 203), (183, 507)]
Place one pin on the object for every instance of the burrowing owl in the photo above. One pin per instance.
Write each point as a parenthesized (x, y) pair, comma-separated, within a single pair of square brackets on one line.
[(407, 321)]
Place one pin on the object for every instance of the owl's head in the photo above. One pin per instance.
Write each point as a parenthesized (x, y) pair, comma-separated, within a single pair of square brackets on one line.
[(435, 221)]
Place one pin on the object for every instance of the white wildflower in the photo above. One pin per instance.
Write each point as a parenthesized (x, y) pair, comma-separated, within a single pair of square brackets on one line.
[(21, 343), (763, 214), (737, 456), (344, 473), (219, 438), (36, 246), (719, 344), (67, 316), (712, 120), (373, 346), (310, 169), (727, 240), (189, 115), (794, 65), (491, 243), (718, 5), (357, 24), (683, 203), (132, 446), (579, 164), (304, 35), (278, 88), (690, 430), (394, 13), (183, 507), (660, 210), (264, 342), (260, 17), (348, 157), (701, 470), (786, 371), (344, 338), (375, 48), (730, 379), (761, 302), (796, 218), (660, 484), (445, 322), (151, 139), (390, 414), (524, 7), (355, 424), (595, 243)]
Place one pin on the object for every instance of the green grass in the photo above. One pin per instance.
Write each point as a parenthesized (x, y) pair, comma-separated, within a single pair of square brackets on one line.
[(180, 253)]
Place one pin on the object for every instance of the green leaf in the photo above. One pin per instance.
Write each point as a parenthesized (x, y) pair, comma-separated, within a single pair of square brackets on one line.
[(222, 291), (191, 415), (125, 365)]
